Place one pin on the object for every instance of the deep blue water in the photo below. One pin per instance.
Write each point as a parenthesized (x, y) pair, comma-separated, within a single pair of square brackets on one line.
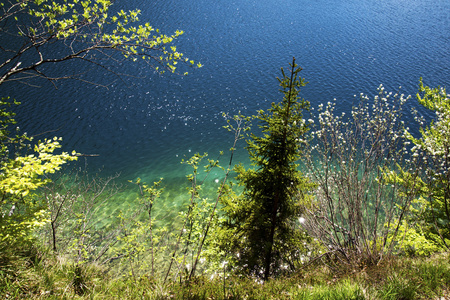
[(143, 125)]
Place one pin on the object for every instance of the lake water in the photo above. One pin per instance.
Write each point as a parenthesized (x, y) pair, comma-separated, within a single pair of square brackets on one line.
[(142, 126)]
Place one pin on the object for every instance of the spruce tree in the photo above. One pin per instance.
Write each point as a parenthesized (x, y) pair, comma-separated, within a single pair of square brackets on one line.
[(261, 221)]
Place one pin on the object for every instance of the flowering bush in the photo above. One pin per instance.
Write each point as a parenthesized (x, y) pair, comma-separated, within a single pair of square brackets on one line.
[(348, 159)]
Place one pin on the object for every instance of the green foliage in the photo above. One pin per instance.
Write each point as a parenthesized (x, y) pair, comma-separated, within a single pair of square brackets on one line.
[(85, 30), (10, 143), (133, 244), (142, 241), (433, 147), (147, 244), (194, 219), (434, 99), (412, 240), (430, 211), (261, 222), (20, 175)]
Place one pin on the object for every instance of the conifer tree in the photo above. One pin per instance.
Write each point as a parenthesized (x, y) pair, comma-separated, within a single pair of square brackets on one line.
[(261, 222)]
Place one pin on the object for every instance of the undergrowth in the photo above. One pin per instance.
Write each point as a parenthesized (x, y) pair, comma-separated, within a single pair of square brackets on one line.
[(31, 273)]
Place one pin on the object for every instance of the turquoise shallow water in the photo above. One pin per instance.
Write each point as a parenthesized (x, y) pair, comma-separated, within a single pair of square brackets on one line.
[(142, 126)]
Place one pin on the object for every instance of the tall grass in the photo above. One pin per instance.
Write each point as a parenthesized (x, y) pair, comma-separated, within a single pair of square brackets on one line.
[(38, 274)]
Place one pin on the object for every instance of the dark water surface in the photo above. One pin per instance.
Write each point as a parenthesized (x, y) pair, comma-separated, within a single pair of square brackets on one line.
[(143, 126)]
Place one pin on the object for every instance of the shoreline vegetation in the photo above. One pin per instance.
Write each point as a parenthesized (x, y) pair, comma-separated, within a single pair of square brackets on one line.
[(332, 206), (370, 220)]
